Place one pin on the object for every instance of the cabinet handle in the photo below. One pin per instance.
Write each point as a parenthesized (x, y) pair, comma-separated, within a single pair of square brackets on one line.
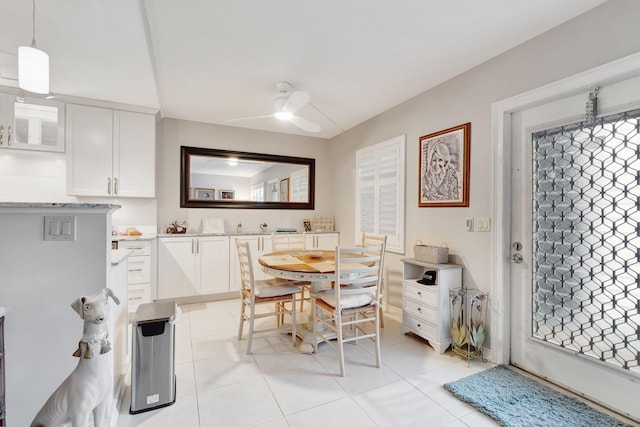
[(108, 186), (135, 269), (420, 309), (115, 186), (1, 134), (193, 245), (197, 246), (419, 294), (8, 135)]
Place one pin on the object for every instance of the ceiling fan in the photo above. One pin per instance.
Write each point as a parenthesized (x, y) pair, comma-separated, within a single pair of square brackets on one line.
[(285, 105)]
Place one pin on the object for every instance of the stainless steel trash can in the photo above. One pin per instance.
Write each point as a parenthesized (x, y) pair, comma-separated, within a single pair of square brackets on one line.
[(153, 381)]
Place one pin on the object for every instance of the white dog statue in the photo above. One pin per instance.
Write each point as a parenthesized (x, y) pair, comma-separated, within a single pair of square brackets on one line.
[(88, 387)]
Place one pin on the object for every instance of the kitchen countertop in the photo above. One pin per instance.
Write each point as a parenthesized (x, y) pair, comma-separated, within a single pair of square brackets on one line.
[(143, 236), (244, 233), (59, 206)]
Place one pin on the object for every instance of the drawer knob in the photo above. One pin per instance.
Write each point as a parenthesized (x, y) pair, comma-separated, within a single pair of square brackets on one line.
[(419, 293), (420, 309)]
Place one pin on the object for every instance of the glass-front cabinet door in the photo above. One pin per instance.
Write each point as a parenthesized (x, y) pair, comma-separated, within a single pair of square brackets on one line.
[(31, 124)]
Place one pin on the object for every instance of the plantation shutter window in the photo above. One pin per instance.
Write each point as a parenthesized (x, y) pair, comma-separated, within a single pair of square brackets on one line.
[(380, 192)]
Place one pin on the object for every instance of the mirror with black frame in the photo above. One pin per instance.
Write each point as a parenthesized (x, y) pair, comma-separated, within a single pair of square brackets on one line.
[(211, 178)]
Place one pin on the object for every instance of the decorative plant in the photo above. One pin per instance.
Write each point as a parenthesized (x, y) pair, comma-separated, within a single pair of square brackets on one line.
[(177, 226), (458, 328), (476, 325), (468, 310)]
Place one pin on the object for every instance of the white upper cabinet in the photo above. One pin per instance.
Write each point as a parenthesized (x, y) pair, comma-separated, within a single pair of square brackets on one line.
[(110, 152), (34, 124)]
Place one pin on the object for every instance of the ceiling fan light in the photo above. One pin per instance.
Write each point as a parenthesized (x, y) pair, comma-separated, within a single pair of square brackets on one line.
[(33, 70), (283, 115)]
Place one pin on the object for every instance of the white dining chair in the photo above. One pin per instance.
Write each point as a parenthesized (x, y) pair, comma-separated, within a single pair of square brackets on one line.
[(290, 242), (353, 303), (255, 292), (372, 240)]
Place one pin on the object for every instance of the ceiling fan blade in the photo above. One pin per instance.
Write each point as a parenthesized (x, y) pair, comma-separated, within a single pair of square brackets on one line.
[(296, 101), (305, 124), (249, 118)]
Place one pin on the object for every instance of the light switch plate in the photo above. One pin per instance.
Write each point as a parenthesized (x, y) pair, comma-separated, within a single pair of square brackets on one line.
[(60, 228), (483, 224)]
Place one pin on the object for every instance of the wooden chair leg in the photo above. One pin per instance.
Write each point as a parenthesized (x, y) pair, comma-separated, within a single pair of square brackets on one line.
[(242, 316)]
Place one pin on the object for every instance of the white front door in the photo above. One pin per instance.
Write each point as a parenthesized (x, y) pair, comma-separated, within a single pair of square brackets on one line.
[(575, 245)]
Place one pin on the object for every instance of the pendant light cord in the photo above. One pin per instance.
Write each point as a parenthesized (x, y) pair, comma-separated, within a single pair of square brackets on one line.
[(33, 39)]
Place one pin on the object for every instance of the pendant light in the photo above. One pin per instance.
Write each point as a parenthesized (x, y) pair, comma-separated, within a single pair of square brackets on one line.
[(33, 65)]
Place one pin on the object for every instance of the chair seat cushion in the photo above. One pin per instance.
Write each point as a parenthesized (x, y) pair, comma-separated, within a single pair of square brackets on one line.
[(348, 300), (274, 287)]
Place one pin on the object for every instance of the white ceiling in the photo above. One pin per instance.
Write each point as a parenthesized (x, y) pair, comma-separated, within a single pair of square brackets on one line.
[(212, 61)]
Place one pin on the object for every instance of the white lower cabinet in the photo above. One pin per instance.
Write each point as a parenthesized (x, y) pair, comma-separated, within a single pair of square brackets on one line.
[(259, 245), (138, 272), (190, 266), (425, 308), (327, 241)]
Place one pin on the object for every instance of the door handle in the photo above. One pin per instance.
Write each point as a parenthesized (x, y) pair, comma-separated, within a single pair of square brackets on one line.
[(516, 258)]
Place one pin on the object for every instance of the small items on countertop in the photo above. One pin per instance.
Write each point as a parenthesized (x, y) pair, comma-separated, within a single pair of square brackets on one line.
[(132, 231), (177, 227)]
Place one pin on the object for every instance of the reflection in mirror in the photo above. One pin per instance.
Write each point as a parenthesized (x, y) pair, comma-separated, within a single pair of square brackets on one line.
[(232, 179)]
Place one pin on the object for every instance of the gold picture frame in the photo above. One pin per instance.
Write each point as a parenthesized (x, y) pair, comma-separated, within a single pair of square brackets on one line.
[(444, 168)]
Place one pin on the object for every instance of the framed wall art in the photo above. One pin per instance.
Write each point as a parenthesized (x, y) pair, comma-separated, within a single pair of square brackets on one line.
[(444, 168), (227, 194), (204, 193)]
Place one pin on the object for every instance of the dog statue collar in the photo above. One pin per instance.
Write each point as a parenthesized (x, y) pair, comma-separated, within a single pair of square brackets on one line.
[(88, 349)]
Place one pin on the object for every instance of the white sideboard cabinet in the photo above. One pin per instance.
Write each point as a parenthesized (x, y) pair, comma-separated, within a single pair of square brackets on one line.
[(191, 266), (110, 152), (425, 308)]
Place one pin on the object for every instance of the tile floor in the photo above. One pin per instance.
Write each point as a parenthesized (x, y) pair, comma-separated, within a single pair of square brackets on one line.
[(219, 385)]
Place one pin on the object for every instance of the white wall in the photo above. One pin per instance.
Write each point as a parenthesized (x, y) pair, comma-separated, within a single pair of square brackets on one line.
[(604, 34), (174, 133)]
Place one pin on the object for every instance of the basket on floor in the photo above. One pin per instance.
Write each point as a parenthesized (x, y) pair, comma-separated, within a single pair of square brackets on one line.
[(431, 254)]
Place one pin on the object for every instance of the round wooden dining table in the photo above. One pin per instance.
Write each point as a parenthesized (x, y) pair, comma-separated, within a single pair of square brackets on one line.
[(314, 266)]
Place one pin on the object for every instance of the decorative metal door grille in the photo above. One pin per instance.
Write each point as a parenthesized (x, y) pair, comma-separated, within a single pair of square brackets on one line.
[(586, 244)]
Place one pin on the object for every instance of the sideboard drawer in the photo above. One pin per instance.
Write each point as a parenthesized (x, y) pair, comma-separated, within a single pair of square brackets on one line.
[(421, 310), (424, 294), (426, 330)]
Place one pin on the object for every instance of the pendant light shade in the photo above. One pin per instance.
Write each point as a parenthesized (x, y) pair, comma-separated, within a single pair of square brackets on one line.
[(33, 70), (33, 65)]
